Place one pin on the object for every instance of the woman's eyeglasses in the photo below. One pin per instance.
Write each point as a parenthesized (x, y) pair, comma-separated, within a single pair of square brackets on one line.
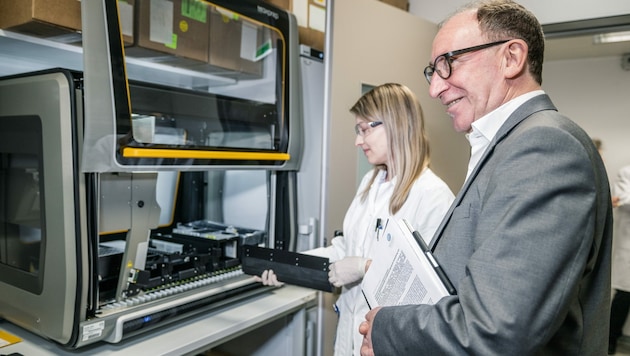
[(364, 131)]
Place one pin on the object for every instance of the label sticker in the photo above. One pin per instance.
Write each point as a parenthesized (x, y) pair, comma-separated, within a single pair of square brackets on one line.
[(93, 330)]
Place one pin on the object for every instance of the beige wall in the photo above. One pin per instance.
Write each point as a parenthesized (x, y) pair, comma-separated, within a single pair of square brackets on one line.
[(373, 43), (546, 11)]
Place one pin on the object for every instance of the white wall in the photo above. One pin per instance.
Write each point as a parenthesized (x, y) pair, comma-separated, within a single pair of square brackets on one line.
[(595, 92), (547, 11)]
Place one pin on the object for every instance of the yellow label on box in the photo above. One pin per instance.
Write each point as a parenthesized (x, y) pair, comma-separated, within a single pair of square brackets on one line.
[(183, 26)]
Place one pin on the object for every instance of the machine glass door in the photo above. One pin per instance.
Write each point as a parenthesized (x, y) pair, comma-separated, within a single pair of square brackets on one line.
[(231, 69), (22, 229), (233, 59)]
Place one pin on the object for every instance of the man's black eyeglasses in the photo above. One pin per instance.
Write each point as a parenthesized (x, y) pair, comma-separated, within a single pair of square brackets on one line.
[(442, 64)]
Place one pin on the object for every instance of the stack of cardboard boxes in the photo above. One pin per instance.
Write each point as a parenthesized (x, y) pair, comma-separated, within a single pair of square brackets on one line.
[(184, 33), (192, 34), (177, 27)]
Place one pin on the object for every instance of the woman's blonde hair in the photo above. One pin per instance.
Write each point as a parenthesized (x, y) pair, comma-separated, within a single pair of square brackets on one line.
[(408, 146)]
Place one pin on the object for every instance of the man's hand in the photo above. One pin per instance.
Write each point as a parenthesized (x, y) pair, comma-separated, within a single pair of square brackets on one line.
[(365, 328)]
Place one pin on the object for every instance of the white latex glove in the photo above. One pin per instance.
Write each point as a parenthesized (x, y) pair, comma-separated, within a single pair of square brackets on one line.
[(268, 278), (347, 270)]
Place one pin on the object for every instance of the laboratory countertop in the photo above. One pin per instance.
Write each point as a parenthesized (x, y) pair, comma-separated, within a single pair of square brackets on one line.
[(188, 336)]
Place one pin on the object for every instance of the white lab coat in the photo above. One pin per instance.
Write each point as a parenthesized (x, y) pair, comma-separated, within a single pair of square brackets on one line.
[(621, 251), (428, 201)]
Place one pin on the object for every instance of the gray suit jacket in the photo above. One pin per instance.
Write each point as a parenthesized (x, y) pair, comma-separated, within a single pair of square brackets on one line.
[(527, 244)]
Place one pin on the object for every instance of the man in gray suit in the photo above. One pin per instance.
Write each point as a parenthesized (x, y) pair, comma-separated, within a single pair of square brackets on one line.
[(527, 241)]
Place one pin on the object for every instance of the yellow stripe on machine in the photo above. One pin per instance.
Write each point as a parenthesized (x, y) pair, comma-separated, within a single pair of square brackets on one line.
[(130, 152)]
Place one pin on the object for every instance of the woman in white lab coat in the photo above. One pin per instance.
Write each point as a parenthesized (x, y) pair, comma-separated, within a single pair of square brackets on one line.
[(621, 258), (390, 131)]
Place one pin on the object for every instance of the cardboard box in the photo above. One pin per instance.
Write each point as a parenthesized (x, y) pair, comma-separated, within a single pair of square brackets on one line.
[(283, 4), (230, 37), (174, 31), (41, 18), (312, 38), (401, 4), (126, 18), (310, 15), (311, 19)]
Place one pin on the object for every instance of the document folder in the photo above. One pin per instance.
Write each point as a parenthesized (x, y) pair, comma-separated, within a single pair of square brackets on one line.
[(402, 273), (290, 267)]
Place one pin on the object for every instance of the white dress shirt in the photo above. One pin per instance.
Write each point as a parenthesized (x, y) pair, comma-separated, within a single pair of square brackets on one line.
[(484, 129)]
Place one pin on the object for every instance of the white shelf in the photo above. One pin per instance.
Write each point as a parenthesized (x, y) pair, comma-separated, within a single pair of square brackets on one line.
[(22, 53)]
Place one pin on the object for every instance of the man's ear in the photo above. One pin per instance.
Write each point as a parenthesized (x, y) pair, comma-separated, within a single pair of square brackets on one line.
[(515, 58)]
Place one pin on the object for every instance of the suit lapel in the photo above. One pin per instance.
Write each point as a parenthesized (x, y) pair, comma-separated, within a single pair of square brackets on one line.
[(535, 104)]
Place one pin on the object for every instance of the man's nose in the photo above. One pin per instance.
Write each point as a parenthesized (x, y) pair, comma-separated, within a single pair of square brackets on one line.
[(437, 85)]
